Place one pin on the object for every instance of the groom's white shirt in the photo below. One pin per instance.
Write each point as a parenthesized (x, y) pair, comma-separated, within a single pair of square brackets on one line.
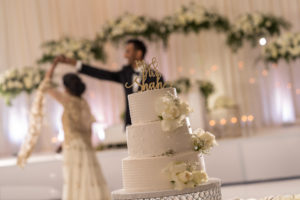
[(135, 87)]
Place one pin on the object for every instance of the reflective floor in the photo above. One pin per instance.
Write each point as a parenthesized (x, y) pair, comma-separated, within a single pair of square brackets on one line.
[(260, 190)]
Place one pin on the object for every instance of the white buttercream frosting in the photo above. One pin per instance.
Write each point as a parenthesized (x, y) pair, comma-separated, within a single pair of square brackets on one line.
[(146, 174), (148, 140), (142, 104)]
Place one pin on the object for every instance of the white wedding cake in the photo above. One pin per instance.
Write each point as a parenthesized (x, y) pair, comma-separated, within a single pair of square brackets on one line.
[(165, 157)]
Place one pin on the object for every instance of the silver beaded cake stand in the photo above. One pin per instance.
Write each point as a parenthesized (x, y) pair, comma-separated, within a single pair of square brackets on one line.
[(210, 190)]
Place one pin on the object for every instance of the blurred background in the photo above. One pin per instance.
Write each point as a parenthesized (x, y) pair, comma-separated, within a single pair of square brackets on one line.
[(238, 70)]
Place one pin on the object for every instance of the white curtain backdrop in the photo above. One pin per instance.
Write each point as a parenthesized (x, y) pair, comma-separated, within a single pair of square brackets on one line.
[(271, 96)]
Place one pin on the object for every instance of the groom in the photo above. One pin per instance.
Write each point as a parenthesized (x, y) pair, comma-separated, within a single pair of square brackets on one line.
[(135, 50)]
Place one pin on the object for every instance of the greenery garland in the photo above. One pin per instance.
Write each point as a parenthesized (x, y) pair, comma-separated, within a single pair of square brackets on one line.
[(286, 47), (84, 50), (129, 25), (191, 18), (252, 26), (15, 81)]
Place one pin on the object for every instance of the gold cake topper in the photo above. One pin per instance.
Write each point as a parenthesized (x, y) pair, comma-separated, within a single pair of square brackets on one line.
[(148, 70)]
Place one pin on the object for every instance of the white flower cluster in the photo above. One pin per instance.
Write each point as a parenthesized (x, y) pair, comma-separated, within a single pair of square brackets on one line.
[(194, 13), (126, 24), (203, 141), (192, 17), (71, 48), (286, 47), (224, 102), (172, 111), (13, 82), (252, 24), (184, 175)]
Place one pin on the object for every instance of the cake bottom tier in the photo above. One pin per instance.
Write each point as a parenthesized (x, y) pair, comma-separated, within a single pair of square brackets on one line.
[(146, 174), (210, 190)]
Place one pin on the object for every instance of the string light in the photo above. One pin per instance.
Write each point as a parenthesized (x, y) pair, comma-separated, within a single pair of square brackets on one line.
[(207, 73), (265, 72), (298, 91), (244, 118), (233, 120), (252, 80), (241, 65), (289, 86), (192, 71), (54, 140), (277, 84), (179, 69), (214, 68), (212, 122), (262, 41), (223, 121), (250, 118)]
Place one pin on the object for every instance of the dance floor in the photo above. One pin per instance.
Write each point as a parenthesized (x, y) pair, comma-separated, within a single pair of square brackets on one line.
[(260, 190), (253, 167)]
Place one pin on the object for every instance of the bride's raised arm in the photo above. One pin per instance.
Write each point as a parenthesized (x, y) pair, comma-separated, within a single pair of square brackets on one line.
[(56, 94)]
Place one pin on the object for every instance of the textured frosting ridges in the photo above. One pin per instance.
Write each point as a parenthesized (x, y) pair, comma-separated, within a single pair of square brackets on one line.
[(146, 174), (148, 140), (142, 104)]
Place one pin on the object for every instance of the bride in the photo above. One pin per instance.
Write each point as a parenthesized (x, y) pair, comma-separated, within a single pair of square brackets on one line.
[(83, 179)]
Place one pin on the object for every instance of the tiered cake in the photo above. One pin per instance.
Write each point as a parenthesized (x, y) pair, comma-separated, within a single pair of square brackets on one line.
[(151, 150)]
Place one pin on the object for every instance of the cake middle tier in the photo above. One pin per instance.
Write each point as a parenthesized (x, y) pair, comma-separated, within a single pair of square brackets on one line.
[(147, 174), (149, 140)]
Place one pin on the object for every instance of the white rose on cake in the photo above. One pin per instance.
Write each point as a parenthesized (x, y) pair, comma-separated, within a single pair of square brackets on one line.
[(172, 111), (203, 141), (183, 175), (199, 177)]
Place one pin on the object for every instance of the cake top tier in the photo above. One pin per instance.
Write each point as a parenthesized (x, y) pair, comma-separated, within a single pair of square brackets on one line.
[(142, 104)]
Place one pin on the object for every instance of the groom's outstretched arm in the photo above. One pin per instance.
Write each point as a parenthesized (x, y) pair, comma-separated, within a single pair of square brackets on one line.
[(100, 73), (91, 71)]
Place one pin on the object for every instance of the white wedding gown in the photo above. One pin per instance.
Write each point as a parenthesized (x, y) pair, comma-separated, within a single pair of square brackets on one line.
[(82, 175), (83, 179)]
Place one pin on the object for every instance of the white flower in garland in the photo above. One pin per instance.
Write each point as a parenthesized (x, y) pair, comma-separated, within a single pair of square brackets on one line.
[(15, 81), (286, 47), (252, 26), (172, 111), (127, 25), (203, 141), (84, 50), (224, 102), (184, 175), (193, 18)]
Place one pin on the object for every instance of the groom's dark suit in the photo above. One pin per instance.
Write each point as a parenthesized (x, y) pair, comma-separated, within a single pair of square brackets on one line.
[(123, 76)]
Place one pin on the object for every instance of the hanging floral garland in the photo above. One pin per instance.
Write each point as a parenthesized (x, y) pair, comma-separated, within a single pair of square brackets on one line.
[(84, 50), (286, 47), (250, 27), (192, 19), (129, 25)]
